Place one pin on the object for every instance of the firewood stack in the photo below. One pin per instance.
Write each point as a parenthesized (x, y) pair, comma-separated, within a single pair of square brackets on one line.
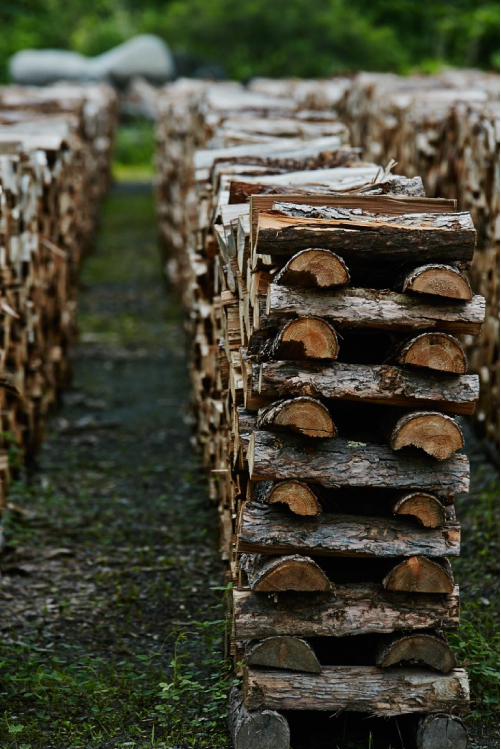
[(446, 129), (55, 152), (324, 297)]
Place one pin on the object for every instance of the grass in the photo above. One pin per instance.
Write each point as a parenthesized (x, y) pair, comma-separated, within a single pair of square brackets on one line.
[(133, 158)]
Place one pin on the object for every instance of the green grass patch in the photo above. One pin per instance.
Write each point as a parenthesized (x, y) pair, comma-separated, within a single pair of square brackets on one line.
[(133, 154)]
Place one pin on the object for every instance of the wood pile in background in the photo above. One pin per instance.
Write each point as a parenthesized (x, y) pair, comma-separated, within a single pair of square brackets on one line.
[(324, 296), (55, 153)]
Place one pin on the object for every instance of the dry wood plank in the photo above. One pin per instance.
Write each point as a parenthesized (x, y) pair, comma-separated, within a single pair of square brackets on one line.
[(421, 575), (305, 338), (314, 268), (437, 434), (427, 648), (354, 609), (437, 280), (269, 530), (304, 415), (366, 308), (357, 688), (424, 507), (298, 496), (436, 351), (265, 729), (271, 574), (339, 463), (383, 384), (441, 730), (290, 653)]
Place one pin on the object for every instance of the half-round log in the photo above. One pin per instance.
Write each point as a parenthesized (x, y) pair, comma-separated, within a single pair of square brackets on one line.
[(437, 351), (272, 574), (314, 268), (265, 729), (420, 575), (304, 415), (424, 507), (306, 338), (417, 648), (291, 653), (441, 731), (438, 280), (297, 495), (437, 434)]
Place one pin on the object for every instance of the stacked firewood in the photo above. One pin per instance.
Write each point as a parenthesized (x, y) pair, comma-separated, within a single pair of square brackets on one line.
[(55, 151), (324, 300), (446, 129)]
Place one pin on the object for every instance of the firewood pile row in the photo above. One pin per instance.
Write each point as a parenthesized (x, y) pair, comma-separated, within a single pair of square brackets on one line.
[(325, 297), (55, 151), (445, 129)]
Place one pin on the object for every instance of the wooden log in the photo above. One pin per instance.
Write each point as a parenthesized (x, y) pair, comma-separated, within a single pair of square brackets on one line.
[(354, 609), (266, 729), (270, 574), (366, 308), (305, 338), (298, 496), (423, 648), (314, 268), (437, 434), (421, 575), (290, 653), (304, 415), (383, 384), (363, 240), (424, 507), (357, 688), (339, 463), (270, 530), (437, 280), (436, 351), (441, 730)]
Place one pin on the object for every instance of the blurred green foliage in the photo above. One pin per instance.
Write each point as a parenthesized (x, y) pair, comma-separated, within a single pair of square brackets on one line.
[(268, 37)]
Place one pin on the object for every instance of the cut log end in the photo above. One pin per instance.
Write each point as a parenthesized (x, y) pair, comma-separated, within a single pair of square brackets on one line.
[(306, 338), (297, 496), (304, 415), (314, 268), (441, 731), (420, 575), (438, 280), (265, 729), (274, 574), (417, 648), (290, 653), (424, 507), (436, 351), (437, 434)]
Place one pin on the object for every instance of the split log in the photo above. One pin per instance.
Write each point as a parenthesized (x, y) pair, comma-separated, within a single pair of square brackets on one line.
[(437, 280), (437, 351), (304, 415), (306, 338), (339, 463), (270, 574), (269, 530), (357, 688), (424, 507), (366, 308), (382, 384), (421, 575), (437, 434), (441, 730), (314, 268), (426, 648), (297, 495), (345, 610), (265, 729), (290, 653)]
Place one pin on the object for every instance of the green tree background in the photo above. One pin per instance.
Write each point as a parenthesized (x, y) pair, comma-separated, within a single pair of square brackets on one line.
[(269, 37)]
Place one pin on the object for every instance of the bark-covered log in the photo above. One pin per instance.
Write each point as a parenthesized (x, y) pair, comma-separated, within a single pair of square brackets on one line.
[(421, 575), (437, 434), (298, 496), (357, 688), (345, 610), (304, 415), (265, 729), (368, 240), (383, 384), (424, 507), (314, 268), (270, 574), (441, 731), (366, 308), (305, 338), (436, 351), (339, 463), (424, 648), (291, 653), (437, 280), (268, 530)]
